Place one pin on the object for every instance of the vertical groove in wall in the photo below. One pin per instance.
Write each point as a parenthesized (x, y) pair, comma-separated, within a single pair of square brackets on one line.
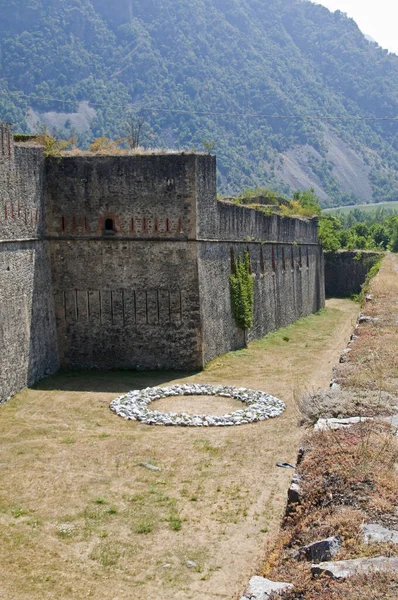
[(88, 307), (181, 312), (169, 295), (135, 306), (262, 264), (123, 309), (65, 312)]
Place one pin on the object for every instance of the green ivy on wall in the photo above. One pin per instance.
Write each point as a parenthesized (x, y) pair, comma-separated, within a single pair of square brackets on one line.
[(242, 291)]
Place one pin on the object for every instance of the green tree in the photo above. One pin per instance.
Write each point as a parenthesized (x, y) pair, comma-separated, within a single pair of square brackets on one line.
[(308, 200), (330, 232), (392, 224)]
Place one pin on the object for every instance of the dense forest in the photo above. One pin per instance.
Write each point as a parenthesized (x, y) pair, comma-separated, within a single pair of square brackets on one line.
[(359, 230), (197, 71)]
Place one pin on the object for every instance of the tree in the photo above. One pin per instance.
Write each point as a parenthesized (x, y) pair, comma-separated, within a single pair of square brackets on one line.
[(392, 224), (134, 125), (330, 233), (308, 200)]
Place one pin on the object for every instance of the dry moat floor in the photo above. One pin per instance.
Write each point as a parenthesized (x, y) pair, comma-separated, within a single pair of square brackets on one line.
[(80, 518)]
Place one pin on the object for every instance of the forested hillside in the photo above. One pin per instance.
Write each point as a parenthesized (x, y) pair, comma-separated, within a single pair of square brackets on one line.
[(82, 66)]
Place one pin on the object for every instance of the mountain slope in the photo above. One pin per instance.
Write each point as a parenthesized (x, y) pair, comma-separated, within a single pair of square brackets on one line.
[(279, 57)]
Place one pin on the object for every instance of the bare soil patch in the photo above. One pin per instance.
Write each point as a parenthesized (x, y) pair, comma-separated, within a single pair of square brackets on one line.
[(80, 518)]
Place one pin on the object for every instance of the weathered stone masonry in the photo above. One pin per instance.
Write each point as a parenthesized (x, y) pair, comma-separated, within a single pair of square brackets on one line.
[(28, 348), (131, 264)]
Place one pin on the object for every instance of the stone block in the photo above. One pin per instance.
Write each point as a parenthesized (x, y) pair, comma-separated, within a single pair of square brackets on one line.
[(342, 569), (260, 588), (322, 550), (374, 534)]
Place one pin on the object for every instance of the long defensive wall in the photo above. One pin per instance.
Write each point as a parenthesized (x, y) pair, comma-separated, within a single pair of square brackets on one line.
[(124, 262)]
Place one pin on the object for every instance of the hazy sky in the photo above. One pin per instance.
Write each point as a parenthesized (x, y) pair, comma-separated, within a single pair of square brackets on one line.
[(377, 18)]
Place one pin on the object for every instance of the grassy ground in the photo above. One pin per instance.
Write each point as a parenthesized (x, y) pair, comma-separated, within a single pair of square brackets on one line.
[(80, 518), (349, 477), (363, 207)]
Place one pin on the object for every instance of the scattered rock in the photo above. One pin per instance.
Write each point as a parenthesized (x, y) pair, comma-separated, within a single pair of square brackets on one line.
[(342, 569), (328, 424), (149, 466), (260, 406), (260, 588), (166, 566), (66, 529), (322, 550), (300, 455), (335, 387), (369, 298), (344, 356), (294, 492), (191, 564), (367, 319), (374, 534)]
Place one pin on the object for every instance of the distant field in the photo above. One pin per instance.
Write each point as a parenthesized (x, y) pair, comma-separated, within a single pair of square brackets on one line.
[(364, 207)]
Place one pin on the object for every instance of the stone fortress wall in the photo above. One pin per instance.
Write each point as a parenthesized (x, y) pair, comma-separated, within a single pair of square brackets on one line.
[(124, 262), (28, 347), (126, 297)]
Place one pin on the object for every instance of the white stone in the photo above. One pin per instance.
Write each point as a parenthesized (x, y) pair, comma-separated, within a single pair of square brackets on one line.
[(328, 424), (260, 588), (191, 564), (134, 406), (374, 534), (342, 569)]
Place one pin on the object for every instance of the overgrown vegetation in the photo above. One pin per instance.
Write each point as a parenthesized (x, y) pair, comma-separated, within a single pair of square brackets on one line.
[(359, 230), (303, 203), (348, 476), (282, 57), (373, 271), (53, 146), (253, 196), (242, 291)]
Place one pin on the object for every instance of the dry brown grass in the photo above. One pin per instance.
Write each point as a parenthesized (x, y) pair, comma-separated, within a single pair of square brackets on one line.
[(329, 403), (114, 150), (349, 477), (372, 587), (80, 518), (373, 361)]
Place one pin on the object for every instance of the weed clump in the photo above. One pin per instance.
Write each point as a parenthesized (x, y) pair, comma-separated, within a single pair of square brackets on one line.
[(242, 292)]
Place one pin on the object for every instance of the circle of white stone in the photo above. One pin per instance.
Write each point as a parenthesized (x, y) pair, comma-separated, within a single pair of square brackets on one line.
[(259, 406)]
